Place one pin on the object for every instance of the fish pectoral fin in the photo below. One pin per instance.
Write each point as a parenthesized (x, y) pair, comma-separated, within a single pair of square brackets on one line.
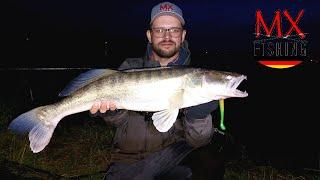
[(163, 120), (84, 79), (176, 100)]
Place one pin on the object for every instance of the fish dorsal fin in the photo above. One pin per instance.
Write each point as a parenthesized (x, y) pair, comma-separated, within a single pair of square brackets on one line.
[(164, 120), (147, 69), (84, 79)]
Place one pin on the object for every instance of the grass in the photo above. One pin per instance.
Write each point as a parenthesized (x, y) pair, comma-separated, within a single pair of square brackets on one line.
[(247, 170), (76, 149)]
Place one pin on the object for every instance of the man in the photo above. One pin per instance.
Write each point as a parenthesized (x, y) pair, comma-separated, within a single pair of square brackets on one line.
[(140, 151)]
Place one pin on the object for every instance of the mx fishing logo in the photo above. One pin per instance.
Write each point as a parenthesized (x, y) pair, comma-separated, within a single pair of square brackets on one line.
[(281, 44)]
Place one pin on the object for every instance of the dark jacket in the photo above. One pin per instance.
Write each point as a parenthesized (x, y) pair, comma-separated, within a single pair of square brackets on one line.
[(136, 136)]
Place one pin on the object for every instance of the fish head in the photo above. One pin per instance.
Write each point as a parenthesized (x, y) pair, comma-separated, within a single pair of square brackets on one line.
[(222, 84)]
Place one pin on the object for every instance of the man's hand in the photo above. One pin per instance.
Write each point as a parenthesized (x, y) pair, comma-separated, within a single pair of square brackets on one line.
[(103, 107)]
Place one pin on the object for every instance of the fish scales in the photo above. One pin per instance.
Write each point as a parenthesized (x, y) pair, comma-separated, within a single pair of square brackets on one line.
[(161, 90)]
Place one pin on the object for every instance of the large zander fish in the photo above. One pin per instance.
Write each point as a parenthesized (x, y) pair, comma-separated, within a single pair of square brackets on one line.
[(160, 90)]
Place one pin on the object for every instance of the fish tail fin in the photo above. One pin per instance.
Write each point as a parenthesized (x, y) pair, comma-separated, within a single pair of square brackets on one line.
[(39, 123)]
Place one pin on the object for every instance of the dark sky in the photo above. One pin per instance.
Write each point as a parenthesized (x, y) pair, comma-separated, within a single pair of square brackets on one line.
[(80, 28)]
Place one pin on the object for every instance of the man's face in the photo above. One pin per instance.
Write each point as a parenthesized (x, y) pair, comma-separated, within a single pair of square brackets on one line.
[(166, 36)]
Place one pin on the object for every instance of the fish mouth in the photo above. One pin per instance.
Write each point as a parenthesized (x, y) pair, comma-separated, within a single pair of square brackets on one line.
[(233, 85)]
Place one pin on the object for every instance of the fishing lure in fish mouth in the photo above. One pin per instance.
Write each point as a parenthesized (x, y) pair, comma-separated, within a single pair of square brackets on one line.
[(221, 105)]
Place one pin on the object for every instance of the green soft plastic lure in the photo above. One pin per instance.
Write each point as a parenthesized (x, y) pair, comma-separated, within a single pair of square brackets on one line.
[(221, 104)]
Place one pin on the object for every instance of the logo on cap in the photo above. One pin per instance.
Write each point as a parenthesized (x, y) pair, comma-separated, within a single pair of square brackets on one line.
[(166, 7)]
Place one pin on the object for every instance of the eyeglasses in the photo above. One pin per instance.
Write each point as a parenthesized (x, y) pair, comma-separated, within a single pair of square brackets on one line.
[(161, 32)]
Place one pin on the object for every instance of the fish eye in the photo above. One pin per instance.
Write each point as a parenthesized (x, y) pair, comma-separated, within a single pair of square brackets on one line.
[(229, 77)]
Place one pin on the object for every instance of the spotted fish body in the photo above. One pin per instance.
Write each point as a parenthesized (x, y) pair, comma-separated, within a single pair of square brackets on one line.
[(160, 90)]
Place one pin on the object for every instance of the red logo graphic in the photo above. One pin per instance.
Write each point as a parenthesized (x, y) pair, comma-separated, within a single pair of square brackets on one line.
[(280, 50), (277, 22), (166, 7)]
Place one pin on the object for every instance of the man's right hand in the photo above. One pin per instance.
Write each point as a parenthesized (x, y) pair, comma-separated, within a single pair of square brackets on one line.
[(103, 106)]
